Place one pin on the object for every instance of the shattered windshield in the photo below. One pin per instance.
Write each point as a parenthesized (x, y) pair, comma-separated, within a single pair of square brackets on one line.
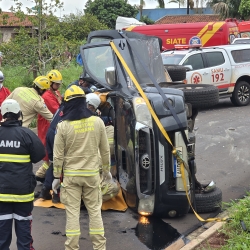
[(98, 59), (172, 58)]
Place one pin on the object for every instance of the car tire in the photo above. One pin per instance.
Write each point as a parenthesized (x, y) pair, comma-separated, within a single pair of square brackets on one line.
[(176, 72), (208, 202), (199, 95), (241, 94)]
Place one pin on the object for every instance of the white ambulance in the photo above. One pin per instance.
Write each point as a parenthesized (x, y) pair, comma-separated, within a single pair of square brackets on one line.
[(227, 67)]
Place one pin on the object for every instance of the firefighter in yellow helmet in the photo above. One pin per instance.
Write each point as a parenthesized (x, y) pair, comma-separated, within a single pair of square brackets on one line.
[(52, 99), (31, 101), (79, 137)]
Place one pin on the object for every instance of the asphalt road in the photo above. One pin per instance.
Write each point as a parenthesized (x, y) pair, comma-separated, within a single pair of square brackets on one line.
[(222, 155)]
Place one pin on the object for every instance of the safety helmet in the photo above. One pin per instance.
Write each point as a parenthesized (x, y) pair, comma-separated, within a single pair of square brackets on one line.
[(73, 92), (81, 76), (93, 99), (1, 77), (42, 82), (55, 76), (10, 106)]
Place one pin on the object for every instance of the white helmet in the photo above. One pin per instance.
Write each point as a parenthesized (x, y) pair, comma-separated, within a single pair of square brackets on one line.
[(93, 99), (1, 77), (10, 106)]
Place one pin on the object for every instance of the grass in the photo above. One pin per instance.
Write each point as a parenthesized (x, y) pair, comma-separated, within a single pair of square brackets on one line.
[(238, 239), (19, 76), (232, 236)]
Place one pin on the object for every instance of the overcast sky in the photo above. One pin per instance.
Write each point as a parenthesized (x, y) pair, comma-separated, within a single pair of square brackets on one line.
[(71, 6)]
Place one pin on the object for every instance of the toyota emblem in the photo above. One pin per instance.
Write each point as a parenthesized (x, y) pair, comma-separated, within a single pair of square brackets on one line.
[(145, 161)]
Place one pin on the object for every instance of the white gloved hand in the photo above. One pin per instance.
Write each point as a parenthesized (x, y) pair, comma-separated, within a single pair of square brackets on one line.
[(56, 184), (108, 177)]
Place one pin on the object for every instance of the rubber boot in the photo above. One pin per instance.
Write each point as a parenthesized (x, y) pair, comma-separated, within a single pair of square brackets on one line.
[(45, 194), (55, 198)]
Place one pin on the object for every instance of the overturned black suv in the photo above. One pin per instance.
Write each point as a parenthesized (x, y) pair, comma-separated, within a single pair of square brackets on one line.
[(151, 120)]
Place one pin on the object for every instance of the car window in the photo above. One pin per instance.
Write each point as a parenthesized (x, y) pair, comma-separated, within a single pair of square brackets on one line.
[(215, 58), (195, 61), (242, 41), (171, 58), (241, 55)]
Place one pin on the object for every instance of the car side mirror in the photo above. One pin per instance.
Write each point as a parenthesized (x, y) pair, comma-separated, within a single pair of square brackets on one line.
[(110, 76), (188, 67)]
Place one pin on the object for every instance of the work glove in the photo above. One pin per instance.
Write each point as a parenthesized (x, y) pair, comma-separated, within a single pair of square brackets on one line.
[(106, 175), (55, 185)]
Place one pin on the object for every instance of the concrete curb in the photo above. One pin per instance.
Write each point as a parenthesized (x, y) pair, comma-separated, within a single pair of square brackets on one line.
[(205, 235)]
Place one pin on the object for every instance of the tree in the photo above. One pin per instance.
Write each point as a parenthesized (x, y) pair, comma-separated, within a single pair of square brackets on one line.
[(107, 11), (244, 9), (180, 2), (52, 43), (225, 8), (77, 26), (161, 3)]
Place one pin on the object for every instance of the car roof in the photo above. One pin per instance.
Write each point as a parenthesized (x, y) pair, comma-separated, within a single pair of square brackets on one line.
[(206, 49)]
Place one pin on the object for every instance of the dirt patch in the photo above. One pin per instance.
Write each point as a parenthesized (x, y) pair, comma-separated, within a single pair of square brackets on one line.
[(215, 241)]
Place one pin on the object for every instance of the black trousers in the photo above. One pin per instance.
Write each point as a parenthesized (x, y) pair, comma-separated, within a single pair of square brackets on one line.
[(21, 213), (49, 177)]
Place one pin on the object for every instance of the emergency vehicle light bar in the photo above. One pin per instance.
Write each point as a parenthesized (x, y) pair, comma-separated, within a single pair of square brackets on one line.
[(179, 46)]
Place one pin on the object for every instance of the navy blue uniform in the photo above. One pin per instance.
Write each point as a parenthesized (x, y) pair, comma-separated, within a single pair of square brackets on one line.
[(19, 148), (49, 177)]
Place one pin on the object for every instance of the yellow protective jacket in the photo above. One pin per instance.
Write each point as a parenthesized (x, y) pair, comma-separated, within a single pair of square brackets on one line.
[(77, 146), (31, 104)]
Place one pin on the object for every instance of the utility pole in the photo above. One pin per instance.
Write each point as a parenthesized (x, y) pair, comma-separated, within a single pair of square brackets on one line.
[(187, 7)]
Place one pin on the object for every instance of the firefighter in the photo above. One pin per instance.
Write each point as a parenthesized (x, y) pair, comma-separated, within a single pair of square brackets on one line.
[(4, 92), (19, 148), (110, 187), (31, 102), (85, 83), (52, 99), (79, 137), (49, 177)]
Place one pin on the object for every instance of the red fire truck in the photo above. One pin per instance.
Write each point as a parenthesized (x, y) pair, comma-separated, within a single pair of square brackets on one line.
[(210, 33), (244, 29)]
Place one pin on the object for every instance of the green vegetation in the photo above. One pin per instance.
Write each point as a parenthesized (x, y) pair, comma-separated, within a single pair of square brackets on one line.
[(238, 238), (19, 76), (232, 236), (107, 11)]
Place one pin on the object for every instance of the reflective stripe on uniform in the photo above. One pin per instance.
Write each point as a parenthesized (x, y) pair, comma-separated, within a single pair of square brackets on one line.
[(104, 189), (15, 216), (81, 172), (17, 197), (111, 140), (19, 217), (45, 165), (73, 232), (6, 217), (96, 230), (14, 158)]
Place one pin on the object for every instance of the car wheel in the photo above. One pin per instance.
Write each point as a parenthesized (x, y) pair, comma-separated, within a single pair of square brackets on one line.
[(199, 95), (176, 72), (241, 94), (208, 202)]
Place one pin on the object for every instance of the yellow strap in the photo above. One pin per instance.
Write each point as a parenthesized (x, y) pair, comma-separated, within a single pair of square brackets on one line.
[(163, 131), (14, 158), (141, 92)]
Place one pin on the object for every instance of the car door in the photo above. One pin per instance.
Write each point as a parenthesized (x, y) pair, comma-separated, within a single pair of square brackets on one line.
[(198, 73), (219, 68)]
